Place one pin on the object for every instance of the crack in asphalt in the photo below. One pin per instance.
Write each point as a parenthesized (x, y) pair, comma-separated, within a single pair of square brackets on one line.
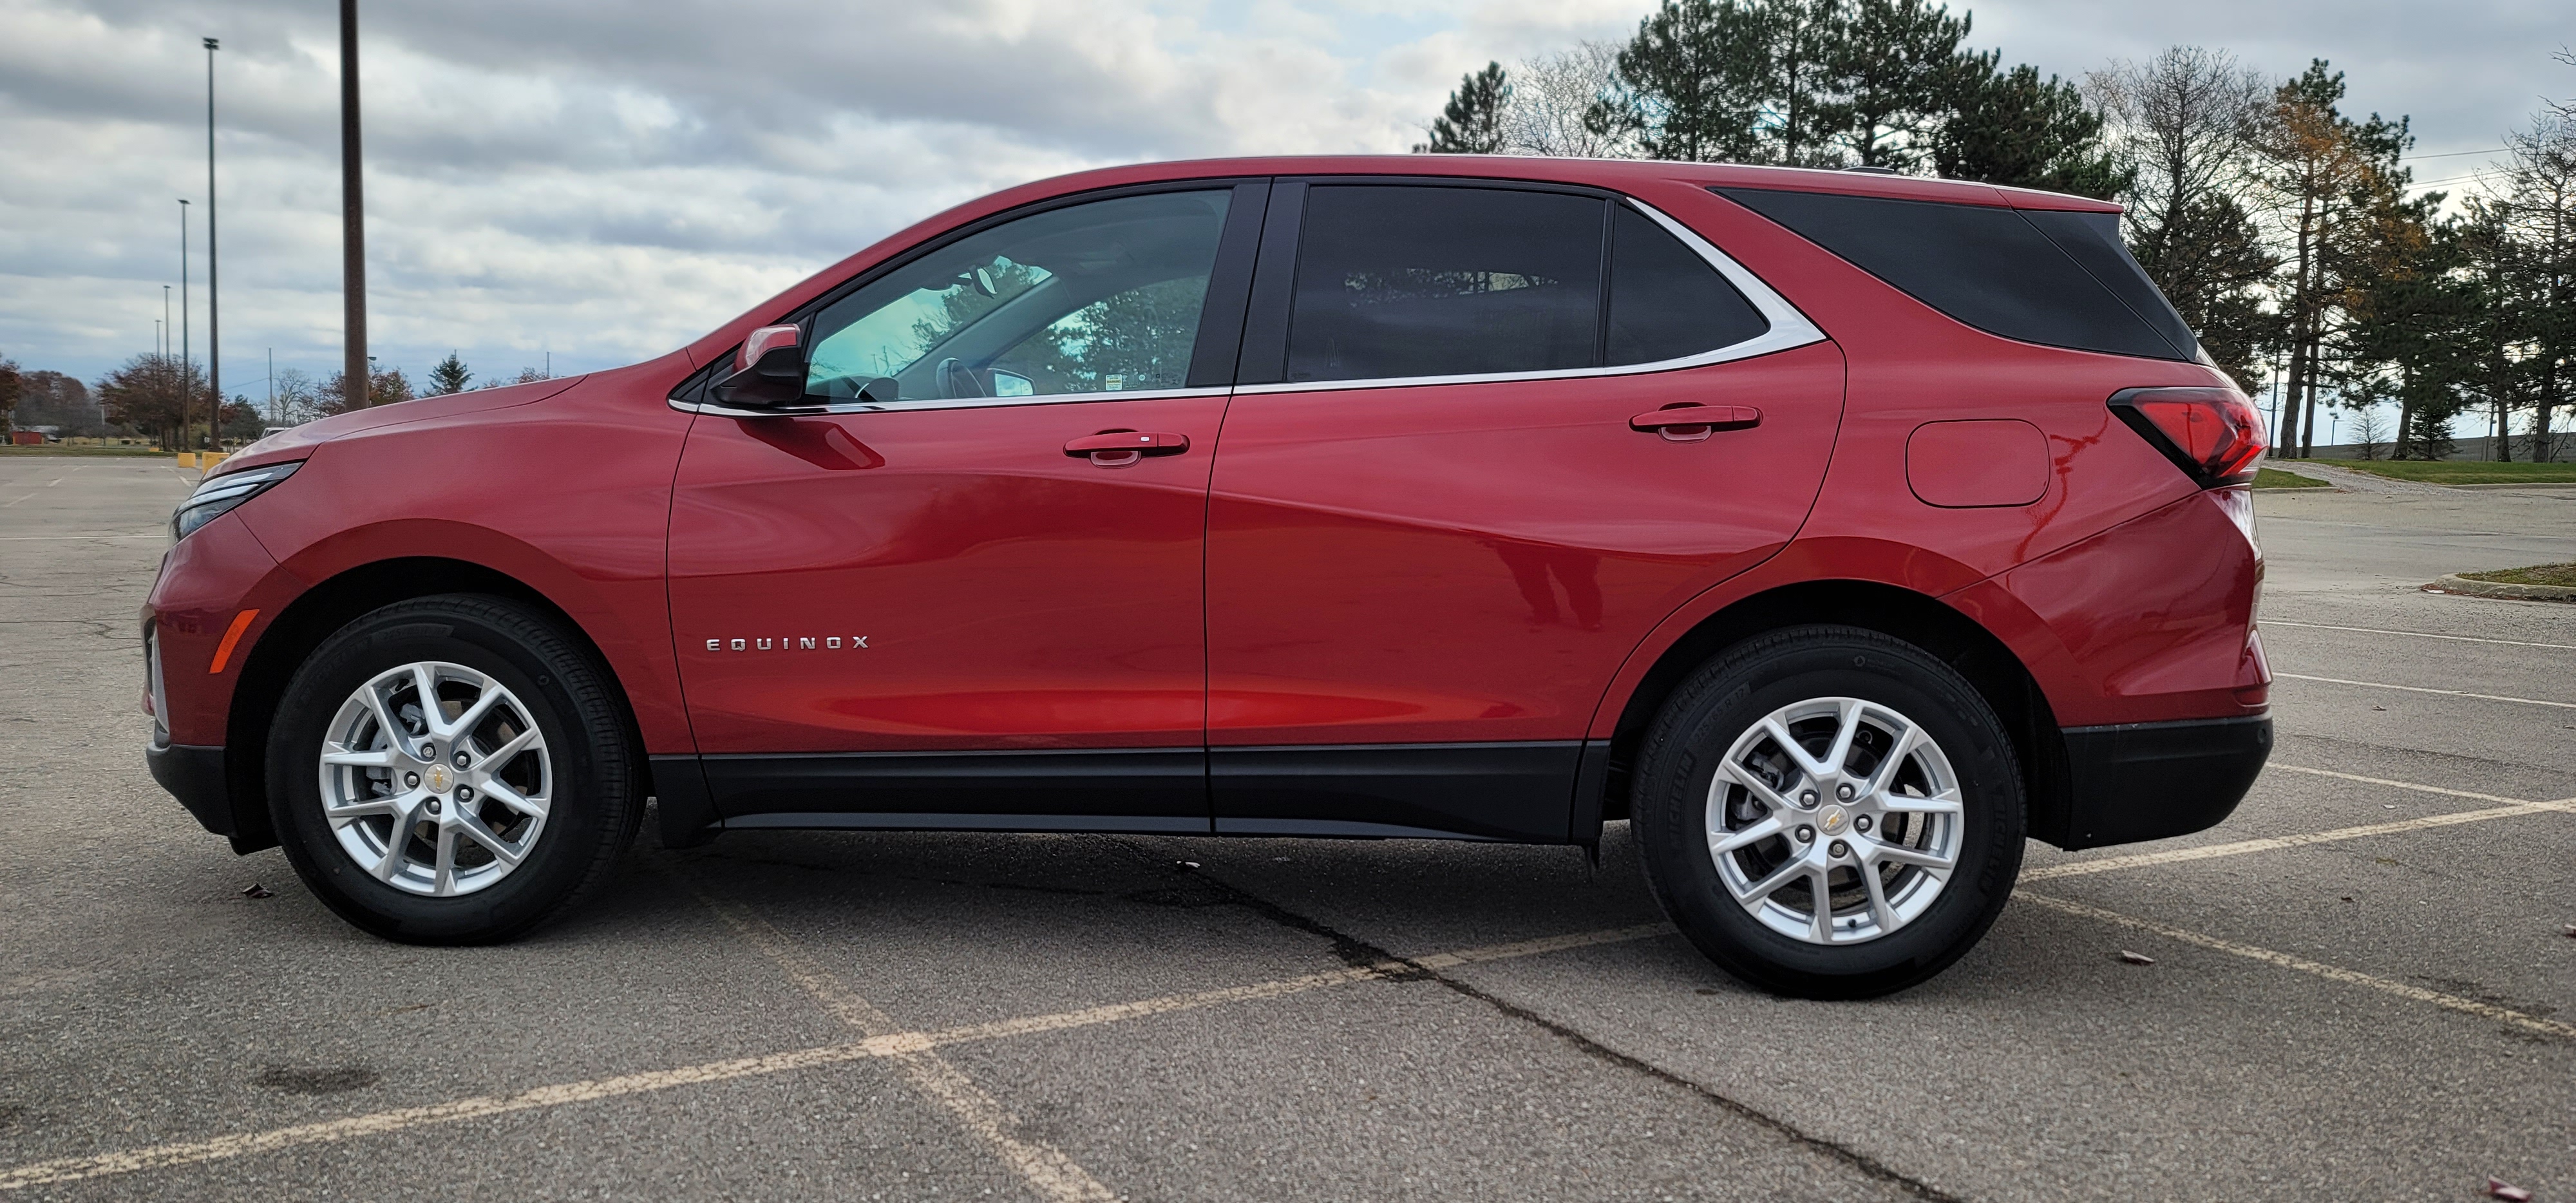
[(1359, 952)]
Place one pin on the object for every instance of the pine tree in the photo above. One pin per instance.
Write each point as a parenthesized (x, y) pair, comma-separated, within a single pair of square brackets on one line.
[(2332, 182), (449, 376), (1472, 124), (2014, 128), (1692, 79), (1900, 73)]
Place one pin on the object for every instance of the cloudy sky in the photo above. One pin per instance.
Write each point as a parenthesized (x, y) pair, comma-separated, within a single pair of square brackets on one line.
[(600, 183)]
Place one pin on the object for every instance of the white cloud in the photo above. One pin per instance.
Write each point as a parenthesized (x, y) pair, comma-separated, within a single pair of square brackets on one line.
[(607, 182)]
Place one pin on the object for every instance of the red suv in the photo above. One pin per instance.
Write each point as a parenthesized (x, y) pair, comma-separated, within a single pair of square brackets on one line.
[(1836, 530)]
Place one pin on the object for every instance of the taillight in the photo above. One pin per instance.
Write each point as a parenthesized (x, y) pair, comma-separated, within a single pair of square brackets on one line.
[(2213, 434)]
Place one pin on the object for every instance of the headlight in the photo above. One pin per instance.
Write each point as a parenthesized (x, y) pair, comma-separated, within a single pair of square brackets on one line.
[(217, 494)]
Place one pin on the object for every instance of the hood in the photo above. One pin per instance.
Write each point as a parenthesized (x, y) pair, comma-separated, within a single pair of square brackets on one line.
[(299, 441)]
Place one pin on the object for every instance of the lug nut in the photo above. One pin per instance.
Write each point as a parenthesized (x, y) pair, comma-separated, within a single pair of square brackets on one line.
[(429, 751), (1844, 791), (1839, 848), (464, 793), (462, 759), (411, 781), (1861, 824), (1806, 834), (1807, 799), (433, 809)]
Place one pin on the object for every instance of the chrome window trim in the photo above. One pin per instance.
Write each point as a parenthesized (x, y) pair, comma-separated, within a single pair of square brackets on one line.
[(1789, 328), (718, 410)]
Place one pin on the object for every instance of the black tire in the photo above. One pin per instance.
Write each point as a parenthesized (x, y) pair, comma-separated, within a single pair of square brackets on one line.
[(1724, 699), (597, 802)]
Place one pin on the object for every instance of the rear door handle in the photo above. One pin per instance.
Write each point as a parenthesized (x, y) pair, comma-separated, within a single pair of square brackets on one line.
[(1119, 448), (1689, 422)]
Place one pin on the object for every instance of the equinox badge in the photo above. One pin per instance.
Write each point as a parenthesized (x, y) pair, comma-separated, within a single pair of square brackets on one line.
[(787, 643)]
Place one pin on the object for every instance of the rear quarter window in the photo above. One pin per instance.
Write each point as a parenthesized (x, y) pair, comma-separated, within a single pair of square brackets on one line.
[(2054, 278)]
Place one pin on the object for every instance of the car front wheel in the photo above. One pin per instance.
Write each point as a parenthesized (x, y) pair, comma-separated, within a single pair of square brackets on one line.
[(451, 770), (1829, 812)]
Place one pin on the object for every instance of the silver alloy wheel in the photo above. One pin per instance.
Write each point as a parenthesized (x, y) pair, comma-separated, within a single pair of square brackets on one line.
[(435, 778), (1834, 820)]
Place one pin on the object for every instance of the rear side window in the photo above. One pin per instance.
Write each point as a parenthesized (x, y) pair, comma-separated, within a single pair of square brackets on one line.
[(2060, 279), (1397, 280), (1665, 301)]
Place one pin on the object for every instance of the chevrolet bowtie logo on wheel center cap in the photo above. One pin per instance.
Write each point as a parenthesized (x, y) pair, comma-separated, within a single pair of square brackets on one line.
[(1832, 820), (439, 779)]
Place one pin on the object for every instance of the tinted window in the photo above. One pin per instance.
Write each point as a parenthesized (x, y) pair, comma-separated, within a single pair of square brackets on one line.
[(1435, 281), (1096, 297), (2093, 241), (1992, 268), (1667, 302)]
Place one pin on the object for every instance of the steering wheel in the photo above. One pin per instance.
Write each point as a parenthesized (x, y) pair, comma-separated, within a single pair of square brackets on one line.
[(958, 380)]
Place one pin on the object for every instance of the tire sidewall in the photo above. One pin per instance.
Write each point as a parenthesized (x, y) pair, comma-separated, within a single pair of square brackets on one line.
[(576, 820), (1685, 752)]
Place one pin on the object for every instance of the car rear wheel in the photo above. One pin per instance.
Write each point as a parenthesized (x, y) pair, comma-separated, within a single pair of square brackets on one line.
[(451, 770), (1829, 812)]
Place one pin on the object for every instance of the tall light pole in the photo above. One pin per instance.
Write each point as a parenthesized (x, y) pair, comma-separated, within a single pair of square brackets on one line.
[(214, 344), (186, 396), (164, 348), (354, 377)]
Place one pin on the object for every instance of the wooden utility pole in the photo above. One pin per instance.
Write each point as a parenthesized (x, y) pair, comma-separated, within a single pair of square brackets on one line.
[(353, 225), (214, 343)]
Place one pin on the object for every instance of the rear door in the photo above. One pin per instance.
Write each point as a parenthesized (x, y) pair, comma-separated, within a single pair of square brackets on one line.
[(972, 594), (1446, 508)]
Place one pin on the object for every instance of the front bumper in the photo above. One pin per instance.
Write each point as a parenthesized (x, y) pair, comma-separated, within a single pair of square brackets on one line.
[(195, 776), (2153, 781)]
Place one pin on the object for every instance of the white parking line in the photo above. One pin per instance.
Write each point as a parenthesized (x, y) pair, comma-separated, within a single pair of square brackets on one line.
[(2418, 635), (75, 1169), (2241, 847), (2445, 791), (2509, 808), (1047, 1169), (2455, 693), (2351, 977)]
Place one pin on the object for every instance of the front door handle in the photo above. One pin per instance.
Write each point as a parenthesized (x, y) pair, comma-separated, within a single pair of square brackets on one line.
[(1119, 448), (1690, 421)]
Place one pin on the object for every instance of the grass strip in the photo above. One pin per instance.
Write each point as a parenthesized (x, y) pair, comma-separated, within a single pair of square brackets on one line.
[(2464, 472)]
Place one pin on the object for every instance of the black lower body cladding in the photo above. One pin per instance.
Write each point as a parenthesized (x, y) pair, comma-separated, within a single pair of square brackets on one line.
[(2153, 781)]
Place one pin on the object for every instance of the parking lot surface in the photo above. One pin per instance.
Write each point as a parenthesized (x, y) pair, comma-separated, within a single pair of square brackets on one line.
[(2361, 985)]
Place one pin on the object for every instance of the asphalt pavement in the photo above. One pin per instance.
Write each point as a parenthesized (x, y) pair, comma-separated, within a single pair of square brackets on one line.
[(2361, 987)]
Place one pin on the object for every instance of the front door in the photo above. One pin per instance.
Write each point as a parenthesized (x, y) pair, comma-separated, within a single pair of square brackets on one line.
[(973, 596), (1435, 538)]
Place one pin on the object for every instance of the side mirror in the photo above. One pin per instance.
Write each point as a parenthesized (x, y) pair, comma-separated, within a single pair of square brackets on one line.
[(769, 371)]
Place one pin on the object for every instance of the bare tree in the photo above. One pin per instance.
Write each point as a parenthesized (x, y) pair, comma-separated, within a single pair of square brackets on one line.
[(298, 399), (2369, 426), (2184, 121), (1555, 102), (2184, 125)]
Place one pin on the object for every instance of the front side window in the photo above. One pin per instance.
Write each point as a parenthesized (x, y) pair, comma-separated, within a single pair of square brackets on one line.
[(1397, 280), (1100, 297)]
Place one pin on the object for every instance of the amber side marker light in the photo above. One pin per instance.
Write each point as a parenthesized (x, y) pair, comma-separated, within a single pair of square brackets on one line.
[(2213, 434), (232, 635)]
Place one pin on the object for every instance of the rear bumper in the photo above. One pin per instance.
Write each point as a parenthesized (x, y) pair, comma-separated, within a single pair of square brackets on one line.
[(2152, 781), (195, 776)]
